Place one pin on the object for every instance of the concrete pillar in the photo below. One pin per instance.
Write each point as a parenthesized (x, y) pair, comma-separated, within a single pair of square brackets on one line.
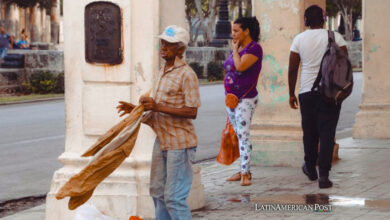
[(373, 119), (55, 21), (43, 25), (3, 13), (47, 31), (12, 20), (35, 32), (276, 132), (22, 22), (93, 92), (28, 23)]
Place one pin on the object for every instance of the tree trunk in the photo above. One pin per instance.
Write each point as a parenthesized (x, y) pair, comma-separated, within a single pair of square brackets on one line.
[(346, 8), (198, 4), (212, 17), (347, 14), (197, 31)]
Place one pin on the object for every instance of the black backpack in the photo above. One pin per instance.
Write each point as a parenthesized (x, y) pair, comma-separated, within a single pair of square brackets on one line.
[(335, 74)]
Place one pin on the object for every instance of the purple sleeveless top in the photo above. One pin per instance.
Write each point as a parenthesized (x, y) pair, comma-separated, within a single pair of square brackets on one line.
[(238, 83)]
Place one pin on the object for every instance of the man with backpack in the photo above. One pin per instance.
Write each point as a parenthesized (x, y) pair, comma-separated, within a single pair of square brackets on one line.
[(324, 61)]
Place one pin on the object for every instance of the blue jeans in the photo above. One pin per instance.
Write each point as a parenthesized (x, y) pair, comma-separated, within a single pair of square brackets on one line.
[(170, 182), (3, 52)]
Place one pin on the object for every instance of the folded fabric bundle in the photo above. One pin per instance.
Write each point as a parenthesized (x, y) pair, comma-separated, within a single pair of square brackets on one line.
[(109, 152)]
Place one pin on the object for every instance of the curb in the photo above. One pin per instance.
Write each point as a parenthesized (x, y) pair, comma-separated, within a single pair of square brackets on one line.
[(32, 101)]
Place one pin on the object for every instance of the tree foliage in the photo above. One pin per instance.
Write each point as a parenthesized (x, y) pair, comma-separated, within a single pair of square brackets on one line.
[(351, 10), (200, 14)]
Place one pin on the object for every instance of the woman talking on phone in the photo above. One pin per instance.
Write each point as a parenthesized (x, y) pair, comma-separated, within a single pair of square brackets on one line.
[(242, 71)]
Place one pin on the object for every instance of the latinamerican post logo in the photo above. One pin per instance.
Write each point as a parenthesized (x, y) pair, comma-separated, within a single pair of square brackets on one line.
[(293, 208)]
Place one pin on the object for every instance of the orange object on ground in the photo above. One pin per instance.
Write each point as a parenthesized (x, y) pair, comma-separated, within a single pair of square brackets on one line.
[(110, 151), (135, 218), (228, 151)]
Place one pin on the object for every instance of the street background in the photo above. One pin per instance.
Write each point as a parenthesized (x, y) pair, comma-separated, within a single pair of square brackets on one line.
[(32, 137)]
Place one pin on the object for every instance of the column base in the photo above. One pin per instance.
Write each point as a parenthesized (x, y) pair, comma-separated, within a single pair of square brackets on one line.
[(372, 122), (277, 145), (123, 194), (280, 145)]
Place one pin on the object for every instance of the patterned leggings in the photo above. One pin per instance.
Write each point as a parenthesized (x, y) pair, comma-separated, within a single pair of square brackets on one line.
[(241, 117)]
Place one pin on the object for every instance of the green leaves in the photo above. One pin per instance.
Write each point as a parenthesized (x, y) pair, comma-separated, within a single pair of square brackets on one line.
[(44, 82)]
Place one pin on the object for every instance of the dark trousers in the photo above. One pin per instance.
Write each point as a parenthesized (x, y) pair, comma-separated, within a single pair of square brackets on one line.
[(319, 122)]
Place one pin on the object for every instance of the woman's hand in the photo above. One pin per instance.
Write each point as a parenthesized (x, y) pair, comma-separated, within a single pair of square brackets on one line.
[(235, 45), (125, 107)]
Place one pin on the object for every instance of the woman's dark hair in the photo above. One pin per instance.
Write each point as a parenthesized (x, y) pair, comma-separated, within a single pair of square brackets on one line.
[(252, 23), (314, 16)]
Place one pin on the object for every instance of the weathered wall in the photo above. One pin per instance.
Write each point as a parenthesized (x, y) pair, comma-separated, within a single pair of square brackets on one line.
[(42, 60), (373, 119), (276, 131)]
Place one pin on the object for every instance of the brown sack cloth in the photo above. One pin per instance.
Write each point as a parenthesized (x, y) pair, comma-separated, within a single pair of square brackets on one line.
[(228, 151), (110, 151)]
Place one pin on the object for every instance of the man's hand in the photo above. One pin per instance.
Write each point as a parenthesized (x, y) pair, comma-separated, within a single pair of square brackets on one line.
[(149, 103), (293, 102), (125, 107)]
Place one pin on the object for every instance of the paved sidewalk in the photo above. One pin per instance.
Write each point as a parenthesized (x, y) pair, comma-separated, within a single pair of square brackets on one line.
[(361, 188)]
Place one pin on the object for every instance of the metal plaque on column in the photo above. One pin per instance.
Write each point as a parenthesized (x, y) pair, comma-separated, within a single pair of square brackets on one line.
[(103, 33)]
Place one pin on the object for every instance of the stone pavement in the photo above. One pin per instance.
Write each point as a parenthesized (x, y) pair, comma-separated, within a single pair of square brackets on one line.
[(361, 188)]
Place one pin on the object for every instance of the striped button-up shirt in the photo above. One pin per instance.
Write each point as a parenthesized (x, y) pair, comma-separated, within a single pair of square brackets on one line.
[(177, 87)]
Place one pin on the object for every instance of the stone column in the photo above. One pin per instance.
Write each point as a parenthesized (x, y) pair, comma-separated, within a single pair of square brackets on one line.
[(55, 21), (373, 119), (44, 26), (93, 92), (3, 13), (276, 131), (22, 22), (12, 20), (47, 32), (35, 24)]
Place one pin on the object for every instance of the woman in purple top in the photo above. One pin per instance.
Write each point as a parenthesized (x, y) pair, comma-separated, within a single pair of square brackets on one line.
[(242, 71)]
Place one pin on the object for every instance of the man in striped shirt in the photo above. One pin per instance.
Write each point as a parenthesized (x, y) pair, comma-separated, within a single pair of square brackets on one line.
[(173, 104)]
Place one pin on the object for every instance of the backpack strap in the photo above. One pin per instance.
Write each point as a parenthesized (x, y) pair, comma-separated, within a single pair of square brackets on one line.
[(316, 83)]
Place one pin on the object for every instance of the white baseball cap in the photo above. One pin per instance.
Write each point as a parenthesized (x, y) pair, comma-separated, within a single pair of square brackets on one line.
[(175, 34)]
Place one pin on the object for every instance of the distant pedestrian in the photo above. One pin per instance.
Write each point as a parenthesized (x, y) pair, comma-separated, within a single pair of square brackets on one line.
[(319, 119), (174, 103), (242, 71), (23, 44), (4, 42), (356, 34)]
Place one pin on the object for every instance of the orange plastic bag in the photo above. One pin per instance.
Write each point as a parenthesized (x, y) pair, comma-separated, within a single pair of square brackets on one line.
[(228, 151)]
